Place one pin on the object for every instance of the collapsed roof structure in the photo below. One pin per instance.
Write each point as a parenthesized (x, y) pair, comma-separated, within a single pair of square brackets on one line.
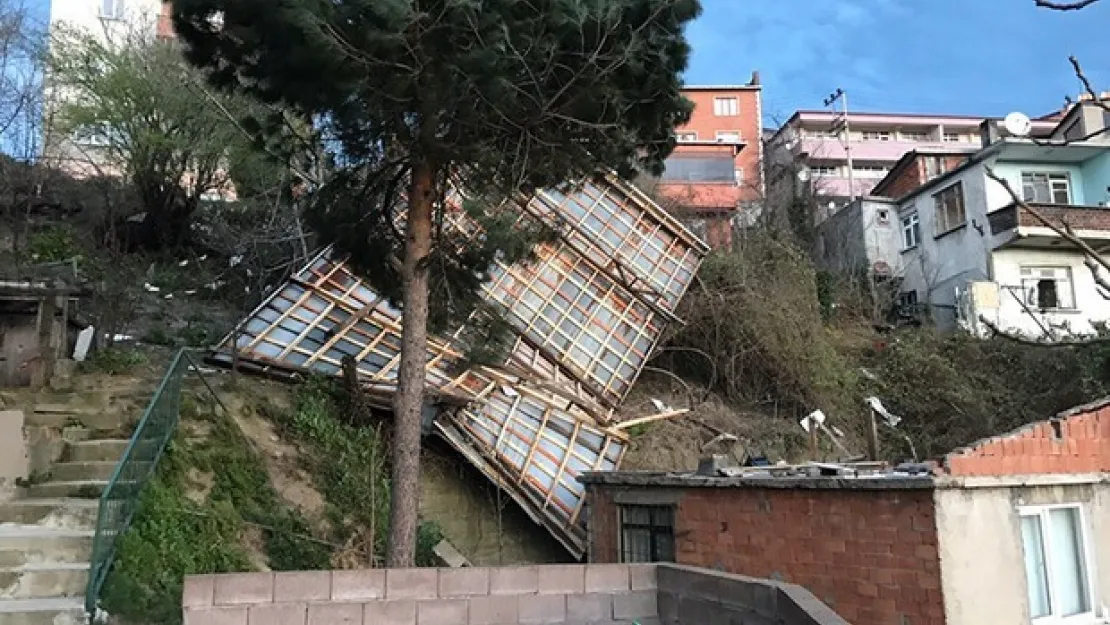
[(586, 314)]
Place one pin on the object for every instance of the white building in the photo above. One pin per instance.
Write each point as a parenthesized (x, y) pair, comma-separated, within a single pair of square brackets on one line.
[(969, 251), (112, 18)]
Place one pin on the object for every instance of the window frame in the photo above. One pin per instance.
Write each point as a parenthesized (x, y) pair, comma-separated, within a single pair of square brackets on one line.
[(729, 106), (952, 137), (1042, 512), (824, 171), (686, 136), (914, 135), (941, 226), (652, 529), (910, 224), (739, 137), (1050, 177), (117, 12), (1074, 305), (876, 135)]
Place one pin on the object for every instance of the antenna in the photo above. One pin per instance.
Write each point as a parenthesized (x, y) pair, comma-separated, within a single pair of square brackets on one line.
[(1018, 124)]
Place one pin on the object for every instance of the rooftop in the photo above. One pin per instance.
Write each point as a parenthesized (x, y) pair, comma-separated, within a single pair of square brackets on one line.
[(812, 476)]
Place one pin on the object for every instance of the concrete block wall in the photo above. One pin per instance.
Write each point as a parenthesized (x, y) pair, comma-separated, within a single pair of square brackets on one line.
[(595, 594), (690, 596), (614, 594)]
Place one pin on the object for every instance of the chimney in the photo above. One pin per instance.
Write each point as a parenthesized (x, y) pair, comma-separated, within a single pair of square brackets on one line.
[(755, 78), (988, 132)]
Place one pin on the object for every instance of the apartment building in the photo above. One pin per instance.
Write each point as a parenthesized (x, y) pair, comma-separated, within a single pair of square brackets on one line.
[(963, 248), (810, 153), (715, 173)]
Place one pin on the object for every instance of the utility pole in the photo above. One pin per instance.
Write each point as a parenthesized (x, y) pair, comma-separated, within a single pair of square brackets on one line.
[(840, 124)]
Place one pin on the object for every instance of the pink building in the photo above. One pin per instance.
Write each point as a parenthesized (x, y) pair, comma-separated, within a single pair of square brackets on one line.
[(810, 152)]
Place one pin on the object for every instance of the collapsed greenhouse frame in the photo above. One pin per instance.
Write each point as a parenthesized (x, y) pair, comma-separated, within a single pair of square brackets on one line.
[(586, 312)]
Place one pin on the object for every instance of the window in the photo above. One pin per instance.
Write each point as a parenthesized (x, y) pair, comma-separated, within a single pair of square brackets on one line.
[(911, 231), (684, 168), (1056, 568), (914, 135), (1046, 188), (882, 216), (684, 137), (822, 134), (870, 171), (823, 170), (111, 9), (876, 135), (728, 136), (647, 533), (953, 137), (950, 208), (907, 299), (726, 107), (1047, 288)]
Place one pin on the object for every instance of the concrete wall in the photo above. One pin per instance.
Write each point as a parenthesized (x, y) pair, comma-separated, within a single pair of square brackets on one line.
[(606, 594), (611, 594), (870, 555), (13, 451), (1090, 306), (856, 237), (982, 566), (693, 596)]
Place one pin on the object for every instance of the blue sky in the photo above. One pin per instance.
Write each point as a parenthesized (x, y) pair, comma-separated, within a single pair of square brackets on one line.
[(975, 57)]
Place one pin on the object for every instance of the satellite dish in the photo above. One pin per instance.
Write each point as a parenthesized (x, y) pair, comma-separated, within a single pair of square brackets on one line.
[(1018, 124)]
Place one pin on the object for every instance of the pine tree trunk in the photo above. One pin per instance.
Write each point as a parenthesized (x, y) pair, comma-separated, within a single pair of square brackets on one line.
[(410, 393)]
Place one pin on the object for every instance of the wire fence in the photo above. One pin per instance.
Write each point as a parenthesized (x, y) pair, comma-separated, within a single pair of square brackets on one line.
[(120, 497)]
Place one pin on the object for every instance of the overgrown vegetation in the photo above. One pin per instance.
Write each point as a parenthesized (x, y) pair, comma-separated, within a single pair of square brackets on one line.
[(349, 465), (762, 317), (208, 494)]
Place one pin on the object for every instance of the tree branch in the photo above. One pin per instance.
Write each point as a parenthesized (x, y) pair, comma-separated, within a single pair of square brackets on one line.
[(1056, 5)]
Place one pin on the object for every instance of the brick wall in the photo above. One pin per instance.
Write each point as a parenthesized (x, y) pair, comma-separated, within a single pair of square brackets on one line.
[(1077, 441), (915, 174), (747, 122), (871, 555)]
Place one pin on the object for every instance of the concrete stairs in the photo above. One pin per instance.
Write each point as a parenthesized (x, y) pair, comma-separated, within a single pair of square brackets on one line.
[(47, 528)]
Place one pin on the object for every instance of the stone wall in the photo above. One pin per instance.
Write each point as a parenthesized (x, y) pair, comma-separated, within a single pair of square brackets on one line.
[(599, 594)]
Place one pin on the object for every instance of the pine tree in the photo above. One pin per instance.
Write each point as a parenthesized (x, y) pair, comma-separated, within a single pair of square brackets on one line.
[(414, 96)]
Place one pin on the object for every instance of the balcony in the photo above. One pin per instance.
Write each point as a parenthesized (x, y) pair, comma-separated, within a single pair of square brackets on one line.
[(832, 149), (1088, 222)]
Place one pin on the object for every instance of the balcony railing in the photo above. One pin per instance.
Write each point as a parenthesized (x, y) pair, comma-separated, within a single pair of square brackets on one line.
[(1078, 218)]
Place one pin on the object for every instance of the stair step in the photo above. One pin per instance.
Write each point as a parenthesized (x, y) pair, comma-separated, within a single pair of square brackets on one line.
[(79, 471), (100, 421), (79, 489), (33, 544), (97, 450), (46, 611), (55, 513), (52, 579)]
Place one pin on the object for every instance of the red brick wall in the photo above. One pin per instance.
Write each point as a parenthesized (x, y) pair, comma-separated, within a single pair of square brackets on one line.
[(1077, 443), (871, 555), (915, 175), (706, 124)]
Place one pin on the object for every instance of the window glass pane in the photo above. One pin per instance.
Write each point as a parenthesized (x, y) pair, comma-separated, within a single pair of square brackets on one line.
[(1069, 577), (1035, 572), (637, 545)]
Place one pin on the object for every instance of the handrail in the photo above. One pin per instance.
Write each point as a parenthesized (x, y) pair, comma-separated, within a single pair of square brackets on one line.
[(120, 497)]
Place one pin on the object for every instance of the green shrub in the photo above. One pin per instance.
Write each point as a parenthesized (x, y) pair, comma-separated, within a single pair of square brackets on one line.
[(52, 244), (114, 360)]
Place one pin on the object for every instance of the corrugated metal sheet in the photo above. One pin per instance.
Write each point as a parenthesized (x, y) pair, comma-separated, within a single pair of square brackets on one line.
[(588, 312)]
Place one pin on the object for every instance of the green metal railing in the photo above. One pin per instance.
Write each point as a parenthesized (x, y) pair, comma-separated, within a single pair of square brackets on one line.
[(121, 495)]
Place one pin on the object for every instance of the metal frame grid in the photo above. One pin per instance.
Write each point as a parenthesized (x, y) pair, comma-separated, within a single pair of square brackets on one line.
[(585, 330)]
